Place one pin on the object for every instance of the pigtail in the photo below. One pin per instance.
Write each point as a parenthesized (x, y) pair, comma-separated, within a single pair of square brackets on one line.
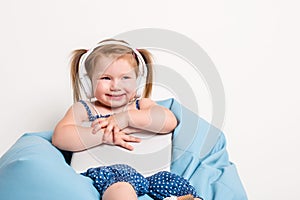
[(74, 64), (149, 64)]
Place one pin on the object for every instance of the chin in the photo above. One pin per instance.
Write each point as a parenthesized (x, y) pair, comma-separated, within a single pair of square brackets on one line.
[(118, 104)]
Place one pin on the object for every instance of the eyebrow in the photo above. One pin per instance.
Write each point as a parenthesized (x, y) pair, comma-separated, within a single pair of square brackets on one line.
[(100, 75)]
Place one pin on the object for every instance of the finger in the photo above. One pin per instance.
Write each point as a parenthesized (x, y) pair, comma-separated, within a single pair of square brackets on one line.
[(116, 133), (108, 129), (107, 138), (102, 122), (130, 138), (116, 130), (121, 141), (95, 122), (96, 128), (125, 145)]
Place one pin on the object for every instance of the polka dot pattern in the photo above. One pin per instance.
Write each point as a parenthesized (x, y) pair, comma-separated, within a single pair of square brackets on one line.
[(165, 184), (105, 176), (158, 186)]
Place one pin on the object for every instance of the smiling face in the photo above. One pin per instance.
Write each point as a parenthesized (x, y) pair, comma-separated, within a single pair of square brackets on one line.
[(115, 83)]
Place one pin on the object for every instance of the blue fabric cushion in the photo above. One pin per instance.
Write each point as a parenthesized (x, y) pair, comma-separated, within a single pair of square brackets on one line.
[(34, 169)]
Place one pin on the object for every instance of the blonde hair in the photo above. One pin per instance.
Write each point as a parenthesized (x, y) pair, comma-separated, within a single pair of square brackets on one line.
[(109, 50)]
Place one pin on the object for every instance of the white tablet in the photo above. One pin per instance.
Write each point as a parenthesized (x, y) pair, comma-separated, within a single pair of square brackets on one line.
[(151, 155)]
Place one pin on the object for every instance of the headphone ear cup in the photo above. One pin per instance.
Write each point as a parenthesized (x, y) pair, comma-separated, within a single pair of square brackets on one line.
[(87, 86), (141, 84)]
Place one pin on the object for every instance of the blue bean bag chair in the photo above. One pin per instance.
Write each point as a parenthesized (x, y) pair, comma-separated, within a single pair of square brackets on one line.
[(34, 169)]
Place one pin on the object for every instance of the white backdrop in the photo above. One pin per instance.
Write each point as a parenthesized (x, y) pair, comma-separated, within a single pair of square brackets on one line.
[(254, 45)]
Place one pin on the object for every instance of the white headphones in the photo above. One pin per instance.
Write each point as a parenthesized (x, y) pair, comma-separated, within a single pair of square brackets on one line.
[(86, 82)]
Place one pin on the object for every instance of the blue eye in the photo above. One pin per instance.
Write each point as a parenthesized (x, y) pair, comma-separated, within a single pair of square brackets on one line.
[(104, 78)]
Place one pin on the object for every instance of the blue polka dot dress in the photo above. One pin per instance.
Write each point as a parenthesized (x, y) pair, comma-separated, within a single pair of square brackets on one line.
[(158, 186)]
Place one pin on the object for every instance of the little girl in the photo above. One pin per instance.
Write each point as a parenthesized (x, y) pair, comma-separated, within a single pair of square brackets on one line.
[(110, 75)]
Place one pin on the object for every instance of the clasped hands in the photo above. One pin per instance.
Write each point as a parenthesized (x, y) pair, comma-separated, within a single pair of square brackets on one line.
[(116, 130)]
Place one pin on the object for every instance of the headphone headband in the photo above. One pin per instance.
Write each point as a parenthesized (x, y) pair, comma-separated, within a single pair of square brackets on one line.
[(84, 78)]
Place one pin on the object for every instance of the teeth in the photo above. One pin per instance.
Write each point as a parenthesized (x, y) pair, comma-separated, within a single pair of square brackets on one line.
[(115, 95)]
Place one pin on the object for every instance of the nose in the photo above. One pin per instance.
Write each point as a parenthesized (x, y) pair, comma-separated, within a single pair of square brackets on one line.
[(115, 85)]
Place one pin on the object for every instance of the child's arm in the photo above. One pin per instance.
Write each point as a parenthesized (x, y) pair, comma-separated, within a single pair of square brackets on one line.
[(70, 135), (151, 117)]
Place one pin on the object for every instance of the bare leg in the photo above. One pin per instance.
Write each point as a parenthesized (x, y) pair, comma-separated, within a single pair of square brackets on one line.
[(120, 190), (187, 197)]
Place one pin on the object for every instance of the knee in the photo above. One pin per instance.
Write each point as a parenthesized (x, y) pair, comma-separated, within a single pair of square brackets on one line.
[(120, 190)]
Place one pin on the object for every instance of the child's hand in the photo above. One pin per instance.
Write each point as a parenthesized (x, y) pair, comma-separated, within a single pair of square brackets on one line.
[(112, 133), (114, 123), (120, 139), (109, 124)]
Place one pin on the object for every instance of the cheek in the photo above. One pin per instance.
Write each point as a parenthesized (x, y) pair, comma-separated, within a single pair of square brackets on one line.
[(130, 85), (98, 86)]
